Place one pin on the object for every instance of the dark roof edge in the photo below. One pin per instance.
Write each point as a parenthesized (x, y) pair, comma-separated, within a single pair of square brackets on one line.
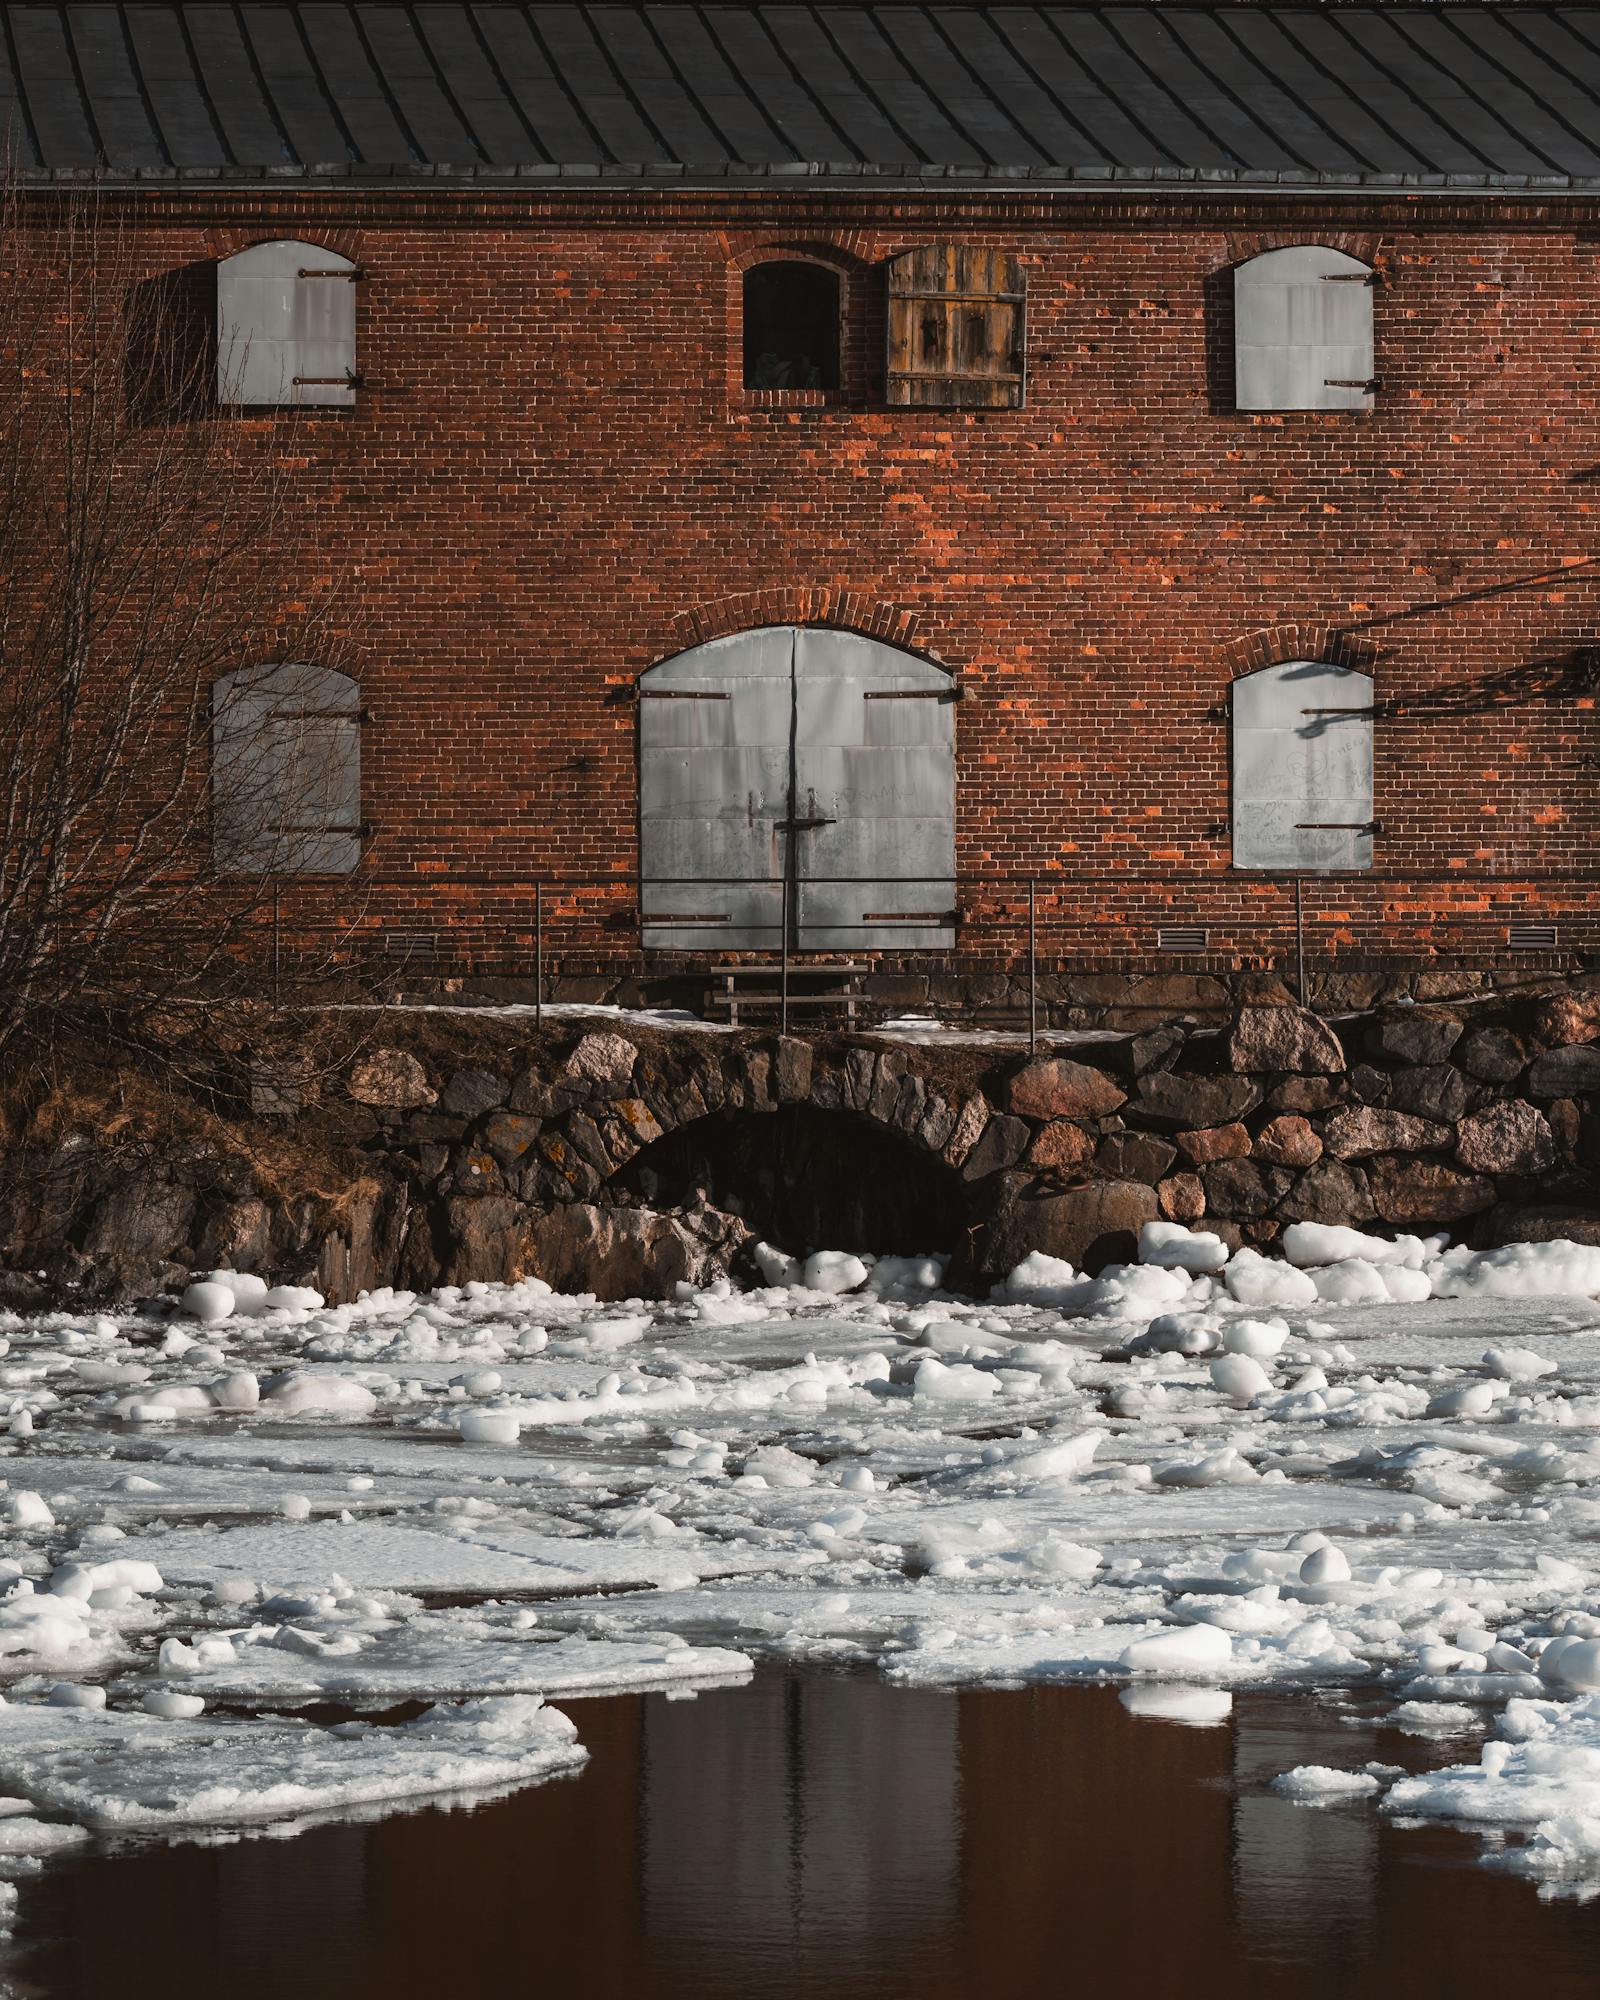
[(910, 178)]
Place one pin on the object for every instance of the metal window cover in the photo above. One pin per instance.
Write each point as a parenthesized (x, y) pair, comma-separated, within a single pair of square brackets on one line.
[(1302, 743), (1426, 98), (1302, 330), (284, 334), (286, 771)]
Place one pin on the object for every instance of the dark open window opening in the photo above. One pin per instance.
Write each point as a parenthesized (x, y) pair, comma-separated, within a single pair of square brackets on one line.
[(791, 327)]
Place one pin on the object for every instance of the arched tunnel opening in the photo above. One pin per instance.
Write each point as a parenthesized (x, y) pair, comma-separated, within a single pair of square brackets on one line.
[(805, 1179)]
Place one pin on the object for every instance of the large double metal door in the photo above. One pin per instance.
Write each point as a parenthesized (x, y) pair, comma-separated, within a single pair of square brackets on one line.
[(794, 769)]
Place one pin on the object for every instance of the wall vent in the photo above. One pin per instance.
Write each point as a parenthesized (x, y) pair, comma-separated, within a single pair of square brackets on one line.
[(410, 944), (1532, 937), (1180, 937)]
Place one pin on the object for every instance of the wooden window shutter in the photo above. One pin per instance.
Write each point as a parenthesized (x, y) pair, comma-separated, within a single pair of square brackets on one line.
[(957, 328)]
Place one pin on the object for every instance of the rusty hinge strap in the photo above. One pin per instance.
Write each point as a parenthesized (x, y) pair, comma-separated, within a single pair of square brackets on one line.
[(909, 916), (679, 694), (1348, 382), (912, 694), (689, 917), (1339, 826), (803, 825), (1338, 711), (327, 381), (350, 277), (1351, 278)]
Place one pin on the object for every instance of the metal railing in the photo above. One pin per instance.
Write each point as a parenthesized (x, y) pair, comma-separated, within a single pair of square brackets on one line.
[(1032, 925)]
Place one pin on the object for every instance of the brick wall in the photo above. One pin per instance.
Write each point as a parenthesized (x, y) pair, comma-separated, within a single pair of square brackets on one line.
[(553, 479)]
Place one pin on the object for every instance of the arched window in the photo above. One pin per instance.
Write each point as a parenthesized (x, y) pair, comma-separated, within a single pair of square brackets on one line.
[(286, 771), (791, 326), (1302, 330), (794, 753), (1302, 768), (286, 326)]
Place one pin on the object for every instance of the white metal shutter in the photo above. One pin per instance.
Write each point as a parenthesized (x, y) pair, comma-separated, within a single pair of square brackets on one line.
[(714, 729), (1302, 768), (875, 767), (286, 326), (286, 772), (1303, 331)]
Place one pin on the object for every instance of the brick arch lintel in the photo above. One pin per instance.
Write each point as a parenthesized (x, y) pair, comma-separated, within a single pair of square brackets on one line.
[(820, 604), (1240, 245), (226, 239), (842, 250), (1304, 640)]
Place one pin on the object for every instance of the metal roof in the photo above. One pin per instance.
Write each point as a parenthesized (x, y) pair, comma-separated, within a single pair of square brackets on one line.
[(1454, 96)]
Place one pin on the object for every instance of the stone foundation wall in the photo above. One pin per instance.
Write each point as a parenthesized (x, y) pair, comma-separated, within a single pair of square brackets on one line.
[(487, 1150)]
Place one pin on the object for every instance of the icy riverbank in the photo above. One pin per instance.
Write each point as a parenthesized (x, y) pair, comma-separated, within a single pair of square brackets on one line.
[(1369, 1463)]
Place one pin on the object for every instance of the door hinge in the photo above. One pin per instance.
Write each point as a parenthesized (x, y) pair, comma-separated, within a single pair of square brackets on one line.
[(1349, 382), (803, 825), (952, 693)]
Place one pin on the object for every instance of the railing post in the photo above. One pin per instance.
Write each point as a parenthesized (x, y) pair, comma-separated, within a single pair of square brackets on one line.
[(1033, 968), (783, 975), (1300, 935), (538, 954)]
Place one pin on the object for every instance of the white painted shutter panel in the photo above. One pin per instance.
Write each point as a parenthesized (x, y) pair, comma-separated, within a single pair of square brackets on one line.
[(1303, 331), (875, 766), (286, 772), (284, 337), (714, 727), (1302, 768)]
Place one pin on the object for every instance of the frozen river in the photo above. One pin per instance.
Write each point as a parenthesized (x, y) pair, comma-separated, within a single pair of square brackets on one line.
[(1235, 1607)]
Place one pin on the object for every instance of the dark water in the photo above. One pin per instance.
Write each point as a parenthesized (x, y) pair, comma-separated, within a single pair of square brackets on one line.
[(823, 1835)]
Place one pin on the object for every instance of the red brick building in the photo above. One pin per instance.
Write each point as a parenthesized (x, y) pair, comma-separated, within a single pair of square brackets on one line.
[(1189, 575)]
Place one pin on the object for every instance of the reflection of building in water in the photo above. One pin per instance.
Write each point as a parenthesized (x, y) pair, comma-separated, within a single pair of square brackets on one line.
[(1094, 1850), (1305, 1878), (824, 1823)]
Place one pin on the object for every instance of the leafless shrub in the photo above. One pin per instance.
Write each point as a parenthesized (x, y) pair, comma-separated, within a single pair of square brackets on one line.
[(165, 653)]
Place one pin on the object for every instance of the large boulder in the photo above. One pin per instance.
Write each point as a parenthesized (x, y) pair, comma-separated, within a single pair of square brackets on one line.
[(1217, 1142), (1190, 1103), (1061, 1145), (1438, 1092), (1415, 1035), (1288, 1141), (1053, 1087), (1509, 1138), (1567, 1018), (391, 1080), (1090, 1226), (1567, 1072), (1547, 1223), (1361, 1130), (488, 1238), (1244, 1187), (1135, 1156), (632, 1253), (1493, 1055), (471, 1092), (1411, 1193), (1284, 1038), (1182, 1198), (1329, 1192), (603, 1060), (1002, 1145)]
